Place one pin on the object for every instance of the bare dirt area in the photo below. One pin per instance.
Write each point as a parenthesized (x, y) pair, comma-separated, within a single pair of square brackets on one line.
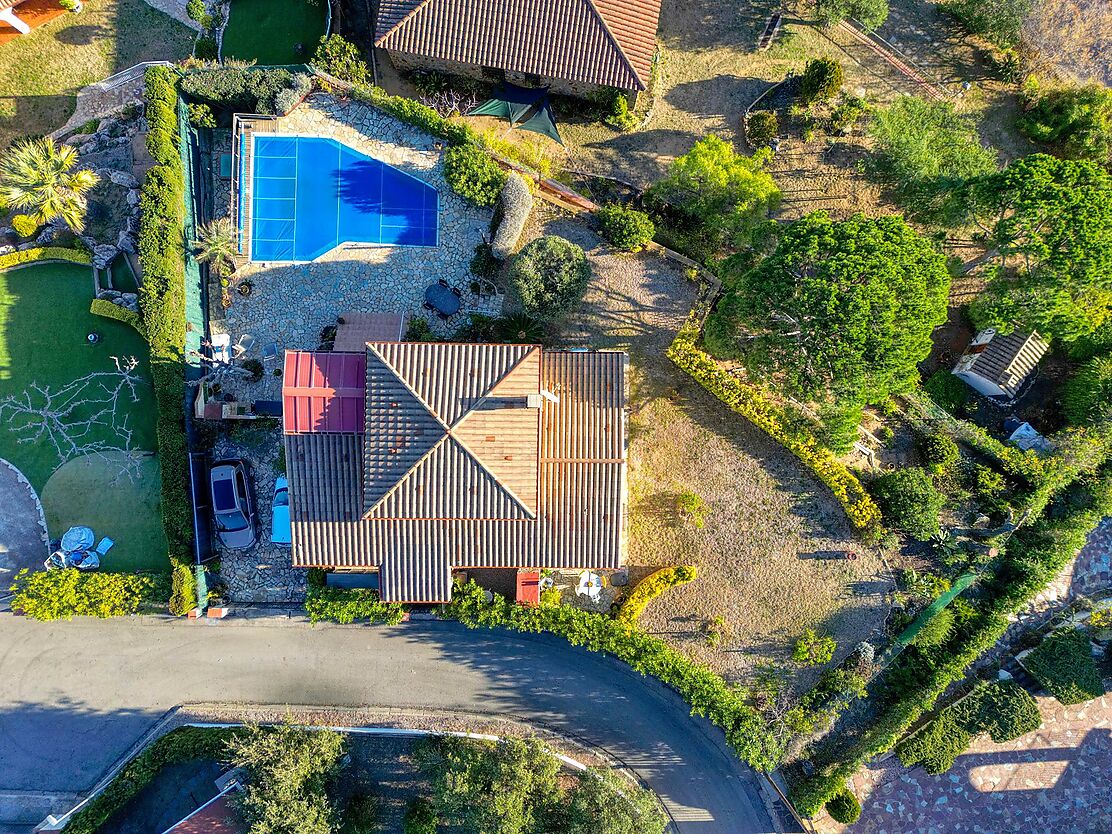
[(770, 554), (1074, 37)]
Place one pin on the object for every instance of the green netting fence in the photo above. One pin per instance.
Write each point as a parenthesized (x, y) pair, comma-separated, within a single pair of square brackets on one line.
[(928, 614), (194, 288)]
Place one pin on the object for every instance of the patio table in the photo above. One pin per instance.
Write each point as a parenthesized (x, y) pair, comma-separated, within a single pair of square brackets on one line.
[(442, 299)]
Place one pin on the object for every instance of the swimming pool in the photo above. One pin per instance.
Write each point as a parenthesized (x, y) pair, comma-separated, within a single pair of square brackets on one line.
[(310, 194)]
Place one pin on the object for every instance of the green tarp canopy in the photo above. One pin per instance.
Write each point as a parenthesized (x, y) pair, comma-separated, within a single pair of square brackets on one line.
[(522, 107)]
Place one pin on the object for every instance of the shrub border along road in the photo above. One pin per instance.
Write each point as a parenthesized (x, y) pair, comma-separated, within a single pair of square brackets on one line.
[(38, 254), (751, 403)]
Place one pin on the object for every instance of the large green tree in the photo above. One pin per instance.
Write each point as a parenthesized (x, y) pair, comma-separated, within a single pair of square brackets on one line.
[(840, 313), (1049, 223), (604, 803), (726, 193), (925, 150)]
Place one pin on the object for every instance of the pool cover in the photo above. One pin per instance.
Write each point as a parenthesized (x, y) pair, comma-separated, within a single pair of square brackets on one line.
[(311, 194)]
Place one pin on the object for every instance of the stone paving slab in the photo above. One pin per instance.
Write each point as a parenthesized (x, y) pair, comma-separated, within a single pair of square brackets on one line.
[(1052, 780)]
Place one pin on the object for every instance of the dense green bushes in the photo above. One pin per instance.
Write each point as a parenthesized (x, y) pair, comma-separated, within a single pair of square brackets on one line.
[(939, 451), (1087, 396), (755, 741), (761, 128), (419, 115), (1002, 709), (104, 307), (162, 301), (753, 404), (909, 501), (550, 275), (650, 588), (346, 605), (181, 745), (844, 807), (1063, 663), (999, 21), (626, 228), (243, 89), (473, 175), (63, 594), (183, 589), (821, 80), (1077, 120), (340, 58)]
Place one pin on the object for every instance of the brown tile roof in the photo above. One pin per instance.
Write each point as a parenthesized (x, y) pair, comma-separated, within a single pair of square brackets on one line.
[(354, 330), (217, 816), (606, 42), (1009, 360), (557, 502)]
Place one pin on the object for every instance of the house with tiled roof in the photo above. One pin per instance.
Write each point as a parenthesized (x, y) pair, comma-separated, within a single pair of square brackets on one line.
[(997, 366), (413, 460), (574, 47)]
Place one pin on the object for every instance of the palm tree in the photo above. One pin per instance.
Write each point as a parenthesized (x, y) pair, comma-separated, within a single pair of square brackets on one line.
[(37, 176), (217, 246)]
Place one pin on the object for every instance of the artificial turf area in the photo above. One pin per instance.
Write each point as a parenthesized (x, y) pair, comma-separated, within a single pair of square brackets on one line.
[(44, 319), (269, 31), (90, 491)]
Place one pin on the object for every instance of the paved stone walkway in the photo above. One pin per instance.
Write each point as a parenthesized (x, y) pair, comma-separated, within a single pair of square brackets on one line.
[(1052, 780), (290, 304)]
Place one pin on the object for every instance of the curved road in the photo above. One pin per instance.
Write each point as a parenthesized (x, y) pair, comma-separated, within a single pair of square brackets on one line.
[(74, 696)]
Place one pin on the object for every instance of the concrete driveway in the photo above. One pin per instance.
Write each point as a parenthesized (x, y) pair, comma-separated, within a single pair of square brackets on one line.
[(74, 696)]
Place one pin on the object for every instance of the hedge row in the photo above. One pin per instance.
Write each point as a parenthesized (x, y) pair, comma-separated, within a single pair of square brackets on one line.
[(752, 404), (162, 300), (63, 594), (181, 745), (45, 253), (346, 605), (104, 307), (650, 588), (757, 742), (417, 114), (1035, 555)]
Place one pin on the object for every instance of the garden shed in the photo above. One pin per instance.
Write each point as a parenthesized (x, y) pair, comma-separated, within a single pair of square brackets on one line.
[(997, 366)]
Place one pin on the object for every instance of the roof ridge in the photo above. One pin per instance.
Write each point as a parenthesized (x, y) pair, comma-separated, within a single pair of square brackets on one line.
[(617, 44), (482, 398), (497, 481), (406, 385), (403, 20), (408, 473)]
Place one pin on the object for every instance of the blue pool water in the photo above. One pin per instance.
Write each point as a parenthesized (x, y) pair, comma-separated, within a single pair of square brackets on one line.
[(310, 194)]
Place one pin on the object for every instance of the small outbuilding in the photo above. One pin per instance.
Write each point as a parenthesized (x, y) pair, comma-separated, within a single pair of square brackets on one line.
[(997, 366)]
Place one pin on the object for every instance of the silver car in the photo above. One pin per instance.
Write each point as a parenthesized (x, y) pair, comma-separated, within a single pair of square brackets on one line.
[(231, 504)]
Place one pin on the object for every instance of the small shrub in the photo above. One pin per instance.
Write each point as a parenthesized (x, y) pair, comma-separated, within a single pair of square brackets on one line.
[(550, 275), (1087, 396), (947, 391), (1063, 663), (183, 593), (360, 816), (939, 451), (813, 649), (650, 588), (692, 505), (987, 483), (843, 807), (419, 330), (821, 80), (200, 115), (850, 111), (619, 116), (909, 501), (255, 368), (25, 225), (937, 630), (340, 58), (195, 9), (626, 228), (483, 262), (936, 745), (761, 127), (884, 434), (420, 818), (285, 101), (473, 175), (205, 49)]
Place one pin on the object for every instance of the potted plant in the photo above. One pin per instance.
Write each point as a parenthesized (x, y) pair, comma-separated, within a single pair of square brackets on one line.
[(244, 288)]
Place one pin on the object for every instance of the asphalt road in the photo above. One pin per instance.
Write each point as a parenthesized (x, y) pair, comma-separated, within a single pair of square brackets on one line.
[(74, 696)]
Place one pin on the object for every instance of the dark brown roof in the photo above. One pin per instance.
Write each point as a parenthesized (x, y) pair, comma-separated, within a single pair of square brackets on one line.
[(354, 330), (1008, 360), (509, 481), (606, 42), (217, 816)]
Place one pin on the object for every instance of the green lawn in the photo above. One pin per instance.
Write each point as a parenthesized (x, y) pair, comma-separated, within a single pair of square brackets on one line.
[(89, 491), (269, 31), (44, 319), (41, 72)]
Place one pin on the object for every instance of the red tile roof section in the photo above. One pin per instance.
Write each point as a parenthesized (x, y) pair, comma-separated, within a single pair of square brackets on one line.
[(218, 816), (323, 392)]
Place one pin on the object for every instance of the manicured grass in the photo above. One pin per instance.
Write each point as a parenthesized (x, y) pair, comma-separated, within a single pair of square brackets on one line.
[(269, 31), (89, 491), (41, 72), (44, 319)]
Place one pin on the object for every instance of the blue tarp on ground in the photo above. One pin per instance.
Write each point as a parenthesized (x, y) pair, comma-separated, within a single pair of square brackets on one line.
[(311, 194)]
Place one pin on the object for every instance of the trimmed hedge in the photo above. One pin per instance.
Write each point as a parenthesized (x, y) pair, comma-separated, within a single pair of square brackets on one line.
[(756, 741), (346, 605), (625, 227), (183, 589), (473, 175), (1063, 663), (45, 253), (181, 745), (843, 807), (162, 301), (104, 307), (1035, 555), (64, 594), (650, 588), (753, 404)]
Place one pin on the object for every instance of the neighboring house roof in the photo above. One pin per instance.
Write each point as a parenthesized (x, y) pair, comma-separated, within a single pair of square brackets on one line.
[(463, 462), (354, 330), (217, 816), (322, 391), (1005, 361), (605, 42)]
